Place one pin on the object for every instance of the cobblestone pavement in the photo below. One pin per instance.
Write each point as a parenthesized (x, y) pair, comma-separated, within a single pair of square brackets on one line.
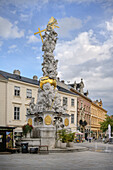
[(96, 146), (86, 160)]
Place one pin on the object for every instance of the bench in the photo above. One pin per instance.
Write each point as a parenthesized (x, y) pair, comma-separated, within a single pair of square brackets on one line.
[(13, 150), (43, 151)]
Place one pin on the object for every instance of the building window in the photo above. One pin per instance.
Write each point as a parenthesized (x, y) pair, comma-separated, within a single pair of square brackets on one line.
[(16, 113), (29, 93), (89, 109), (72, 118), (77, 104), (81, 104), (64, 101), (72, 102), (17, 91), (27, 111)]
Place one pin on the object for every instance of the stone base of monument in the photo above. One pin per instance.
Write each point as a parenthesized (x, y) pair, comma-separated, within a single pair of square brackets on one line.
[(44, 128), (47, 137), (32, 142)]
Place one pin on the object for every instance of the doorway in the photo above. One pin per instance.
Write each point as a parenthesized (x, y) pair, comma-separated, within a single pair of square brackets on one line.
[(2, 141)]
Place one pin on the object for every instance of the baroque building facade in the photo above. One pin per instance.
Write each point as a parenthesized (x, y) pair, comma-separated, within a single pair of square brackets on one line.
[(97, 115), (16, 93), (83, 108), (92, 112)]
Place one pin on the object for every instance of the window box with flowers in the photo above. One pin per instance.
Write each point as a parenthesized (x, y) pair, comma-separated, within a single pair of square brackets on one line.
[(27, 129)]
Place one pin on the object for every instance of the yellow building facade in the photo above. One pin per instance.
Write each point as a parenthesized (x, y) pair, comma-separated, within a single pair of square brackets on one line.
[(97, 115)]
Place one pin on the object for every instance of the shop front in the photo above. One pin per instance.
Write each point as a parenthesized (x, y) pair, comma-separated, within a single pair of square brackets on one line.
[(6, 138)]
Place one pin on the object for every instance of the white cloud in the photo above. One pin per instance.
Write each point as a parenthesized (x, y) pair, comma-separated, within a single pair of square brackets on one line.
[(30, 32), (35, 48), (88, 18), (24, 17), (89, 58), (23, 4), (83, 48), (13, 12), (12, 48), (67, 25), (75, 55), (32, 39), (38, 57), (9, 30), (81, 1), (109, 25)]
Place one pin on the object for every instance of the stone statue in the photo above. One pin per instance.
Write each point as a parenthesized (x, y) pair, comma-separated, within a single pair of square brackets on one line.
[(48, 97), (81, 86), (47, 114), (31, 106), (75, 85)]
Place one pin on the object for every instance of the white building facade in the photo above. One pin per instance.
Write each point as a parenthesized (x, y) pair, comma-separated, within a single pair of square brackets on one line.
[(16, 93)]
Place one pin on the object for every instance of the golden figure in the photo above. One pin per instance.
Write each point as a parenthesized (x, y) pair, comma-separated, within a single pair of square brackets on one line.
[(51, 25), (66, 121), (48, 120), (30, 121), (45, 80)]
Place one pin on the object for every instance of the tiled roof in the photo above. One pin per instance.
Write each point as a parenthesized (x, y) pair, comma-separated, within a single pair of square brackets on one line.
[(65, 90), (77, 85), (19, 78), (28, 80)]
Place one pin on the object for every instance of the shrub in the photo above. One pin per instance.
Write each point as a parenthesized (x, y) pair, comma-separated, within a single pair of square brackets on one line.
[(70, 137), (62, 135)]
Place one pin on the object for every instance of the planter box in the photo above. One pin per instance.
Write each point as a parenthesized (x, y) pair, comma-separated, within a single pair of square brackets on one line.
[(58, 144), (63, 145), (71, 144), (28, 135)]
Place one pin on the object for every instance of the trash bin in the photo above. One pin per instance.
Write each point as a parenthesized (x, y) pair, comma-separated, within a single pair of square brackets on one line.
[(24, 146), (33, 150), (89, 140)]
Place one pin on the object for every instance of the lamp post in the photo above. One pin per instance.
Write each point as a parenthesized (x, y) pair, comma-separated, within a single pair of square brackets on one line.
[(82, 120)]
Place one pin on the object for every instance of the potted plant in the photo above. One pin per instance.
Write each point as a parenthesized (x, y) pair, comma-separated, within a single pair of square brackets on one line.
[(70, 139), (27, 130), (63, 138)]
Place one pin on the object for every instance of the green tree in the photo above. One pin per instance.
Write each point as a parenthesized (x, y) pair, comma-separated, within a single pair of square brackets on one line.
[(104, 124)]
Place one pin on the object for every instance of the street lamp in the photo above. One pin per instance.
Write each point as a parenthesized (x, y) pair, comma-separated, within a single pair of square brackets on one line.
[(82, 121)]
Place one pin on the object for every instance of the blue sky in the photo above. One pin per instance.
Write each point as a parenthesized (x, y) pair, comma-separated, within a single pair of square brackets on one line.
[(84, 47)]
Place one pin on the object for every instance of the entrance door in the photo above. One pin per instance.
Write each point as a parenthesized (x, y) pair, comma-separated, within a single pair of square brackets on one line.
[(2, 141)]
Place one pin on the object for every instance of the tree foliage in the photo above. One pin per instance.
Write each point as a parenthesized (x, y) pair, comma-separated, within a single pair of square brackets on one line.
[(104, 124)]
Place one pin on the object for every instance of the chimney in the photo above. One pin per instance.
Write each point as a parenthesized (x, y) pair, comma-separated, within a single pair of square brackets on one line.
[(100, 103), (16, 72), (35, 77)]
